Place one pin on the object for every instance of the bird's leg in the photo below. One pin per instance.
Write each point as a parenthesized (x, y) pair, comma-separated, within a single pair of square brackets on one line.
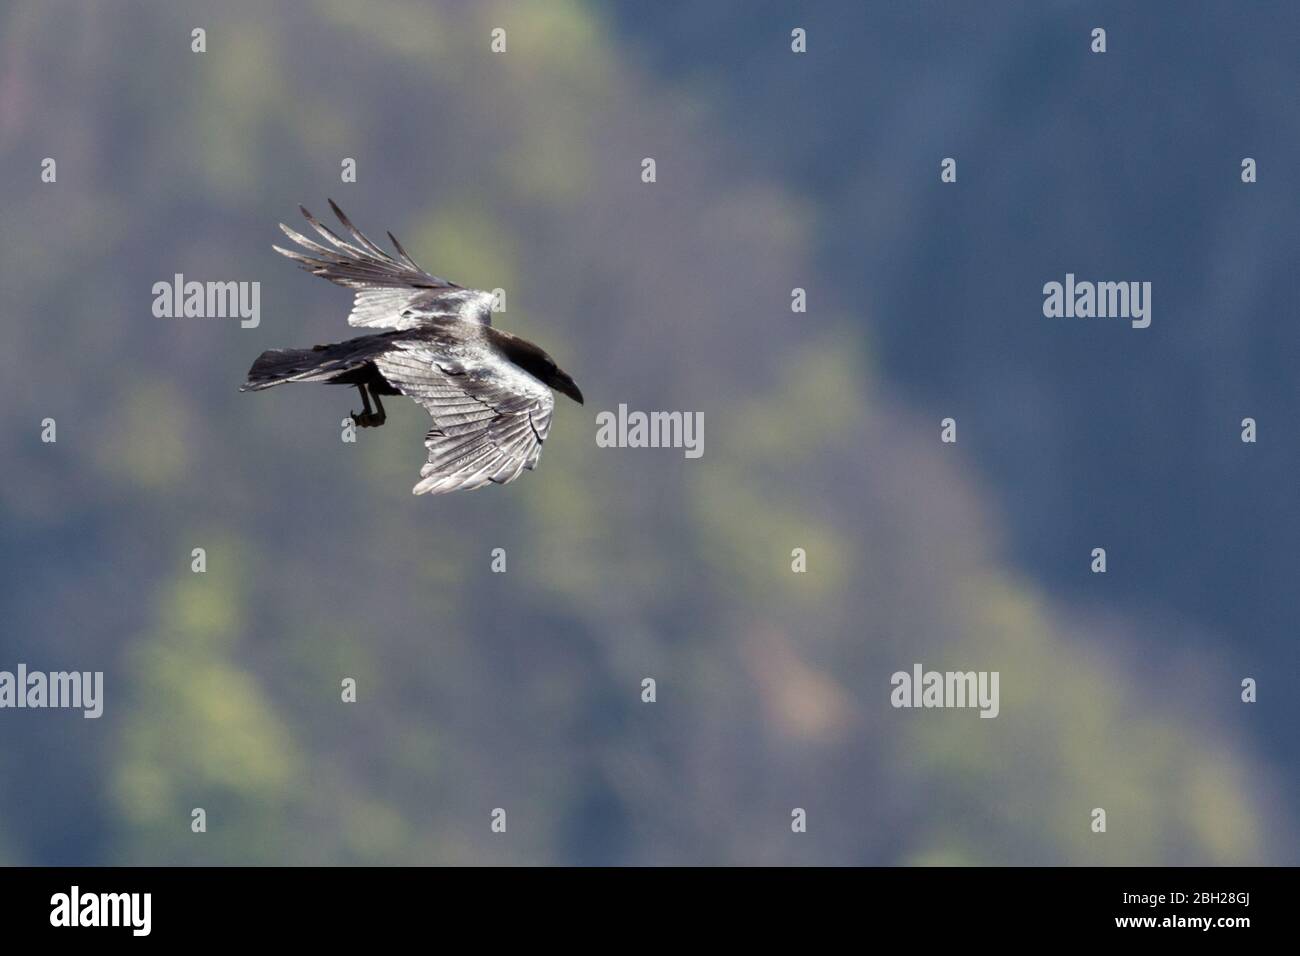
[(366, 418), (379, 416)]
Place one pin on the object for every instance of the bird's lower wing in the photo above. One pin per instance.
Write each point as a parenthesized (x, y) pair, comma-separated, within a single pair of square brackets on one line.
[(489, 419)]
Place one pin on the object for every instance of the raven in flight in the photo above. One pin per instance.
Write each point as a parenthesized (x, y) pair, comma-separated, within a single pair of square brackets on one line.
[(489, 392)]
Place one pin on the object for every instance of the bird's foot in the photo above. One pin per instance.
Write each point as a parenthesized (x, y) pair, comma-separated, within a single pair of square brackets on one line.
[(368, 419)]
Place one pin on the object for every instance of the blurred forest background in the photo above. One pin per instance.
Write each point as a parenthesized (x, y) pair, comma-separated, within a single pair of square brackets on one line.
[(522, 691)]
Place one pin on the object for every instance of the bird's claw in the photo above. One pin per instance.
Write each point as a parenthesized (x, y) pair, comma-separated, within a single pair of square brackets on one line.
[(367, 419)]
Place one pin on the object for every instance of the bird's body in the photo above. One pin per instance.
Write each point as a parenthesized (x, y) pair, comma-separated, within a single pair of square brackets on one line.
[(489, 392)]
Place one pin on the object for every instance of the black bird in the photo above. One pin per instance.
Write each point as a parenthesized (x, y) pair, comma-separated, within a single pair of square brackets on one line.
[(489, 392)]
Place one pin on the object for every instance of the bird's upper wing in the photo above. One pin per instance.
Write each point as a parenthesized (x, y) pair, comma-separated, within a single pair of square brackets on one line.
[(390, 293), (489, 416)]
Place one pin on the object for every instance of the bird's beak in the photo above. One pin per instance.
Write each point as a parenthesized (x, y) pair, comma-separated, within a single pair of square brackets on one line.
[(563, 383)]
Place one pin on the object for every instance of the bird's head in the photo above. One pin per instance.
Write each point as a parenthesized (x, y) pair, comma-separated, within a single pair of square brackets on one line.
[(561, 381), (535, 362)]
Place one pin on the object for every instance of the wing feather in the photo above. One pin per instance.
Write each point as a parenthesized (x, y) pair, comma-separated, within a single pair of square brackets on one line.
[(393, 293), (490, 417)]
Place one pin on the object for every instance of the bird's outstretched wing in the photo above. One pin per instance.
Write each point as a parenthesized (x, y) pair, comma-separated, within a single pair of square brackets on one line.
[(489, 417), (390, 293)]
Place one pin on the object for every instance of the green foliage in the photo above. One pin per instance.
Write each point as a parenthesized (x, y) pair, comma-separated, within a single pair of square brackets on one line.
[(202, 731)]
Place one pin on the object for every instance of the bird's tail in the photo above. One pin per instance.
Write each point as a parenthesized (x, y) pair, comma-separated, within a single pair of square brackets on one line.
[(324, 363), (282, 365)]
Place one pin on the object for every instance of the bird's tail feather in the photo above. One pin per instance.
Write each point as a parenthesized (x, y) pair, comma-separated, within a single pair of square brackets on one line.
[(324, 363), (277, 366)]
